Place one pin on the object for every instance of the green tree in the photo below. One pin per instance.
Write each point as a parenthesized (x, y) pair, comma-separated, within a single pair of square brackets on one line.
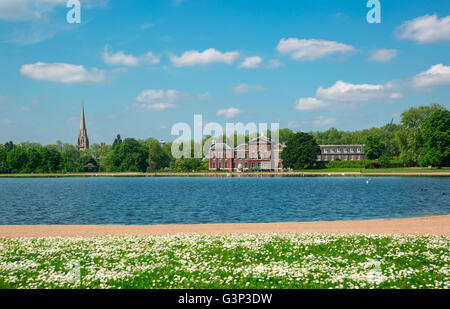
[(9, 146), (130, 156), (117, 142), (70, 158), (284, 135), (409, 138), (374, 148), (204, 165), (384, 160), (157, 157), (34, 160), (17, 159), (3, 162), (301, 151), (193, 164), (179, 166), (436, 137), (107, 163), (50, 159)]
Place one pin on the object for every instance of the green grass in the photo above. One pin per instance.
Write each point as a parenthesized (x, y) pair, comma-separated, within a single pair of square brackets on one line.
[(405, 170), (379, 170), (235, 261)]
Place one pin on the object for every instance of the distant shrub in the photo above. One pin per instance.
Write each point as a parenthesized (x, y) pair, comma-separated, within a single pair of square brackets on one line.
[(371, 165)]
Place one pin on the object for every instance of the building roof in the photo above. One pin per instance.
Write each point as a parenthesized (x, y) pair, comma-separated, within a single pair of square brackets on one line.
[(359, 145), (220, 146)]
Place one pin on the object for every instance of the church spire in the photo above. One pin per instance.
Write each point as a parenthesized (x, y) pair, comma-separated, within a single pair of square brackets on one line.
[(83, 141)]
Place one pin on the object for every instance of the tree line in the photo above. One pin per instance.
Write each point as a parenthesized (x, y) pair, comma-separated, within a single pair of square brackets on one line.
[(422, 138)]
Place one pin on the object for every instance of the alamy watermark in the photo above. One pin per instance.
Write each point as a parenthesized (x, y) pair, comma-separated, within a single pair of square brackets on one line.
[(74, 274), (74, 14), (374, 15), (205, 135)]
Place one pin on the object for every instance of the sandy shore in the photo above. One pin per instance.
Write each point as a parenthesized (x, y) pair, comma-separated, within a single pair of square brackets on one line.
[(418, 226)]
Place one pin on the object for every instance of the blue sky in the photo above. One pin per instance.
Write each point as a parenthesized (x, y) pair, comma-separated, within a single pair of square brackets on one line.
[(141, 66)]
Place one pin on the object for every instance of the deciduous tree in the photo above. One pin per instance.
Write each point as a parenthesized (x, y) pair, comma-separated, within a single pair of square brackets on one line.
[(301, 151), (436, 137)]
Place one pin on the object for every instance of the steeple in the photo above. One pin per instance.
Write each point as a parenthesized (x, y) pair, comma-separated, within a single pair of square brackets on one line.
[(83, 141)]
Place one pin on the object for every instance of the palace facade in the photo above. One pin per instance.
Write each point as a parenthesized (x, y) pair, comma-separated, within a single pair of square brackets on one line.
[(261, 153)]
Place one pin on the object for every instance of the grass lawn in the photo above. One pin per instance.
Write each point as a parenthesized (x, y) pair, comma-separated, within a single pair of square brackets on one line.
[(380, 170), (226, 261)]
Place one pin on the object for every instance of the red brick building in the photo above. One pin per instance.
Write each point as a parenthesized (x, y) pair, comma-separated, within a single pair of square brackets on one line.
[(262, 154), (259, 154)]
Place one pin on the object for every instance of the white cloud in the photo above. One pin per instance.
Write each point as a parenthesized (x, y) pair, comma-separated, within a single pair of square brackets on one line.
[(342, 91), (153, 95), (251, 62), (21, 10), (425, 29), (62, 73), (246, 88), (437, 75), (157, 99), (25, 10), (396, 96), (383, 55), (120, 58), (229, 112), (211, 55), (304, 49), (303, 104), (274, 63), (39, 20)]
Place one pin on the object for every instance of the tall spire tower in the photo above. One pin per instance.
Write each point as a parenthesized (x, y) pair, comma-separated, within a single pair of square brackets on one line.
[(83, 141)]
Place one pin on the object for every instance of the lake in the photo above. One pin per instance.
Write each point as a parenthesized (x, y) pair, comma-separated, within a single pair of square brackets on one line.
[(218, 200)]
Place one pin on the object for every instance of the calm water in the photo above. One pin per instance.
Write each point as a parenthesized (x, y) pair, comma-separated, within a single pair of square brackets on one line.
[(214, 200)]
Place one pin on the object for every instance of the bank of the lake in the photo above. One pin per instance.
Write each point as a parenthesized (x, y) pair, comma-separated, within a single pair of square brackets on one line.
[(435, 225), (442, 172)]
